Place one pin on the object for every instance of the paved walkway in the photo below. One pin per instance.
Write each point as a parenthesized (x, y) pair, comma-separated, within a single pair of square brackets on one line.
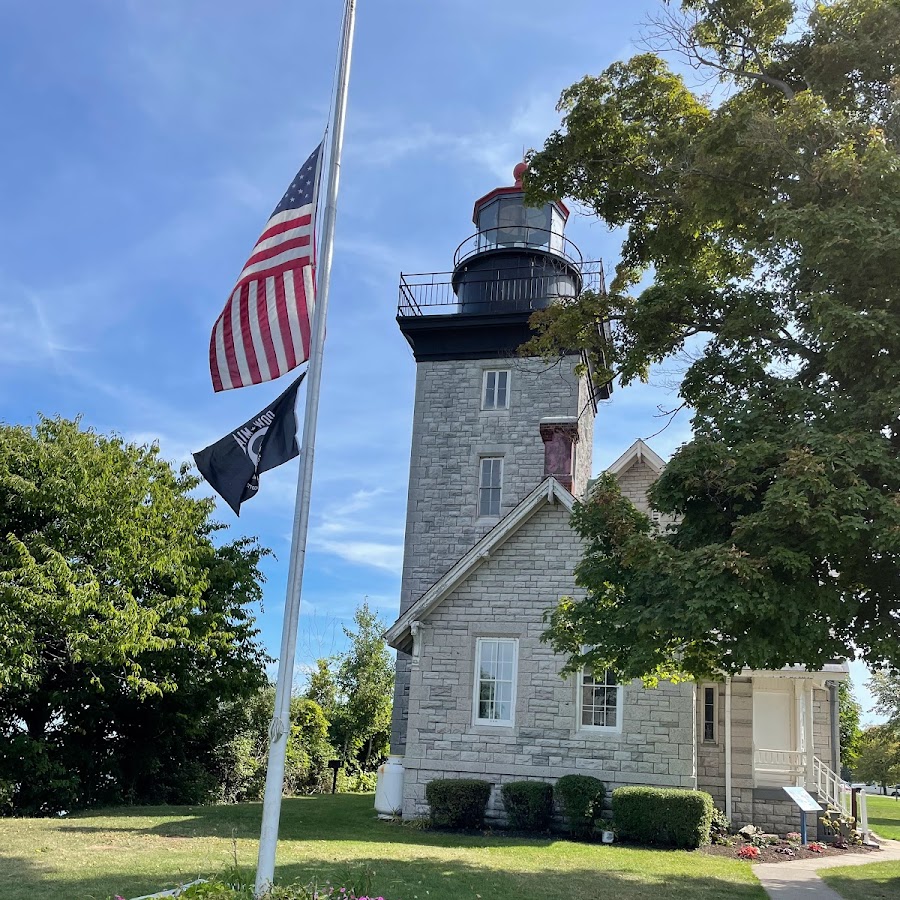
[(799, 881)]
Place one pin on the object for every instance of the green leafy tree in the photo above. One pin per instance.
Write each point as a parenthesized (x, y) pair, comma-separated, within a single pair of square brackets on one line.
[(761, 241), (878, 761), (355, 689), (849, 712), (122, 626), (885, 687), (244, 757)]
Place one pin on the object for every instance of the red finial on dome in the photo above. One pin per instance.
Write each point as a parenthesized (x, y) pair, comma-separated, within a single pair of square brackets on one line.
[(520, 169)]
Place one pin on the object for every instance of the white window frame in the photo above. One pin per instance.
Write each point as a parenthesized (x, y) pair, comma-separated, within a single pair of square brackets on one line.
[(481, 487), (599, 729), (484, 389), (476, 689), (715, 714)]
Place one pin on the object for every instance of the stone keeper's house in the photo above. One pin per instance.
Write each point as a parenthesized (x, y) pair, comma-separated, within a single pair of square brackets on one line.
[(501, 448)]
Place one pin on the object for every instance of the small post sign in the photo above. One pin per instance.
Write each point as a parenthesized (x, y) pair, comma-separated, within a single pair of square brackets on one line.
[(805, 801)]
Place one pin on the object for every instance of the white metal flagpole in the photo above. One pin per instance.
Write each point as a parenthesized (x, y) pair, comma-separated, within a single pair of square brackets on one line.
[(280, 725)]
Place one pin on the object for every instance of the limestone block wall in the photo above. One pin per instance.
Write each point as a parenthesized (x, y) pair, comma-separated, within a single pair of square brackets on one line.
[(507, 597), (765, 807), (450, 434)]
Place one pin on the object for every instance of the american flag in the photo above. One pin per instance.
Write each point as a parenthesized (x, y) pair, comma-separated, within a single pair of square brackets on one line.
[(264, 329)]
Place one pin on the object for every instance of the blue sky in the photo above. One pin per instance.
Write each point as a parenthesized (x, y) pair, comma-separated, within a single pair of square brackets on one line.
[(145, 145)]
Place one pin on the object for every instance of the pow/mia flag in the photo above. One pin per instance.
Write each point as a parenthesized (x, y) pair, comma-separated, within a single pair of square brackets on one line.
[(233, 464)]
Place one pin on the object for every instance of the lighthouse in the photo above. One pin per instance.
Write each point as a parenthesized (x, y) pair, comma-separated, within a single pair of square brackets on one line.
[(489, 424)]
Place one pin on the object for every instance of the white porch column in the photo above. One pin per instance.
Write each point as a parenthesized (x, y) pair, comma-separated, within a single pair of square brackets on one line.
[(810, 743)]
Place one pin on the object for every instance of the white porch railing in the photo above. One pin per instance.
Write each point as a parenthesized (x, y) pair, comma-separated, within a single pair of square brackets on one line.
[(777, 766), (830, 786)]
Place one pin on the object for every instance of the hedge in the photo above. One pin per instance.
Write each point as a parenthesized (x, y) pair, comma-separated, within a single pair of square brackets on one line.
[(457, 802), (665, 816), (528, 804), (580, 797)]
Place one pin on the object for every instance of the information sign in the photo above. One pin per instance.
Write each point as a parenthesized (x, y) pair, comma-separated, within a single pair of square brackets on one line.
[(803, 799)]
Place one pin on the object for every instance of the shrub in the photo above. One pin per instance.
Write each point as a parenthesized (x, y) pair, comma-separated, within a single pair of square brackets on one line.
[(529, 805), (581, 797), (457, 802), (749, 852), (673, 818)]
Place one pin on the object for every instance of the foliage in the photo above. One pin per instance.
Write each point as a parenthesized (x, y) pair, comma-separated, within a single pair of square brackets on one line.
[(719, 828), (841, 827), (748, 851), (849, 712), (581, 798), (356, 691), (666, 816), (243, 759), (878, 760), (528, 804), (122, 626), (885, 687), (769, 228), (457, 802)]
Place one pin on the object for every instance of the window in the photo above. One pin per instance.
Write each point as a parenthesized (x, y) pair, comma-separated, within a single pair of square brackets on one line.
[(495, 680), (489, 486), (600, 701), (709, 714), (495, 391)]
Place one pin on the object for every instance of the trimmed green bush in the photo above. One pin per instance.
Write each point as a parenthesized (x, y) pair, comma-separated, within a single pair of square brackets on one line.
[(665, 816), (457, 802), (580, 797), (529, 805)]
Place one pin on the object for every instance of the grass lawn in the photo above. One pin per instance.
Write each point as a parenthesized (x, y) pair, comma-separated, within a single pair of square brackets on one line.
[(876, 881), (884, 816), (135, 850)]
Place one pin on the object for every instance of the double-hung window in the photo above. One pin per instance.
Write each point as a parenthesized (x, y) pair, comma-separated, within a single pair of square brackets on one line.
[(600, 701), (709, 714), (490, 485), (495, 390), (496, 660)]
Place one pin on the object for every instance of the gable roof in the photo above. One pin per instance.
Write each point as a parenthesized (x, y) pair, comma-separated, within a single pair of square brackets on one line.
[(549, 491), (638, 452)]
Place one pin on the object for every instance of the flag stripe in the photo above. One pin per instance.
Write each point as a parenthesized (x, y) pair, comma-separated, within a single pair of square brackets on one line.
[(248, 306), (264, 329), (310, 292), (228, 342), (278, 250), (292, 307), (275, 326), (304, 222), (297, 255), (240, 348), (261, 313)]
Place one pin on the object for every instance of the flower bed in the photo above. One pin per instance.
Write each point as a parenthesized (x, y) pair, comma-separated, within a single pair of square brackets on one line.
[(780, 850)]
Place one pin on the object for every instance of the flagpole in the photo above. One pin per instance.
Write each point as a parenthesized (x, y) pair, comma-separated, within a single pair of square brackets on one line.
[(279, 729)]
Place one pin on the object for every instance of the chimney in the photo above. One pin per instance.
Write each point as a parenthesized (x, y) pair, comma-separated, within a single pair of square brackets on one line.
[(560, 434)]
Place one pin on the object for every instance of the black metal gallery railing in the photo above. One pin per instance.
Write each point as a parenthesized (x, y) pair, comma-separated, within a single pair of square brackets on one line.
[(498, 289)]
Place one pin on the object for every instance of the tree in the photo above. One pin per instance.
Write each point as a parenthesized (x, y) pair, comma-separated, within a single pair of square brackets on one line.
[(244, 757), (885, 687), (879, 757), (122, 625), (769, 226), (849, 712), (355, 690)]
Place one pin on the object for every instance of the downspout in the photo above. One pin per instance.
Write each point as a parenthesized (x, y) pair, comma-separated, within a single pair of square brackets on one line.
[(728, 792), (834, 702)]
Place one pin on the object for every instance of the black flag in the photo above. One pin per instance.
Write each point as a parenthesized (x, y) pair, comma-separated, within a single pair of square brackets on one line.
[(233, 465)]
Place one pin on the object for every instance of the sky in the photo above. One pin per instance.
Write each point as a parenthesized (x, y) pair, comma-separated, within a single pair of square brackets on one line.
[(146, 144)]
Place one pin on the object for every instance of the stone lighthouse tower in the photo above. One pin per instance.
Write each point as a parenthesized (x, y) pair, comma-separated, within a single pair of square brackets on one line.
[(488, 425)]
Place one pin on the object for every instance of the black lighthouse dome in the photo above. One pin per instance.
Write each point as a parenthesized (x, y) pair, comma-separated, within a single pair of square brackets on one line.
[(519, 259)]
